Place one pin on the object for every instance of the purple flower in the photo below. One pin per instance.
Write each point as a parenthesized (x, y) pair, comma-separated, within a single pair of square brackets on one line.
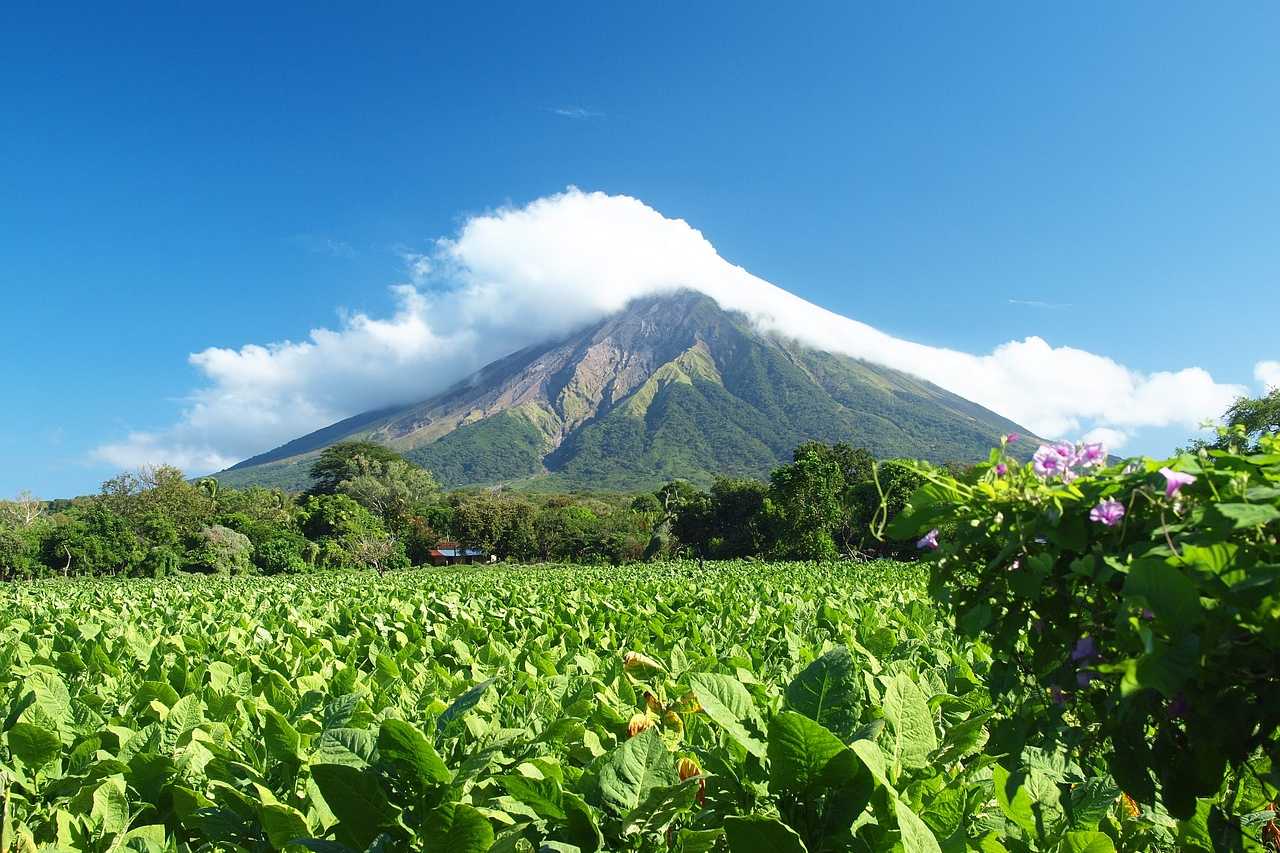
[(929, 540), (1092, 455), (1177, 707), (1001, 469), (1053, 460), (1108, 512), (1011, 438), (1086, 649), (1059, 696), (1084, 676), (1175, 480), (1148, 614)]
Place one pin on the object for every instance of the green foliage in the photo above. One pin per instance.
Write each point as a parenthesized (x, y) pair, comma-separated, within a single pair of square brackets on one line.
[(1148, 645), (827, 503), (1246, 420), (497, 449), (221, 550), (343, 460), (743, 706)]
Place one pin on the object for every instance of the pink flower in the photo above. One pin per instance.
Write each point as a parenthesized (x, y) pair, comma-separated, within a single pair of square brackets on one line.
[(1001, 469), (929, 540), (1052, 460), (1108, 512), (1092, 455), (1175, 480), (1011, 438)]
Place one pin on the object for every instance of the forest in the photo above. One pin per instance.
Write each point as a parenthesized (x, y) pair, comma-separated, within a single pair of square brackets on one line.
[(370, 508)]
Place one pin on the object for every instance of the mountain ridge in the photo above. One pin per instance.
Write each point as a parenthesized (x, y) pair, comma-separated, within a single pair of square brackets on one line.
[(670, 386)]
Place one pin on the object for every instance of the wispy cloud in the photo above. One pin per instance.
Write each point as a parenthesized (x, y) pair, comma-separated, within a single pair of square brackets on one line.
[(324, 245), (1037, 303), (417, 264), (576, 112)]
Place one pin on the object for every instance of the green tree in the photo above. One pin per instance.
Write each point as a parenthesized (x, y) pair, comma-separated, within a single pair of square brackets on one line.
[(389, 488), (1248, 419), (221, 550), (91, 539), (810, 496), (740, 518), (348, 534), (335, 463)]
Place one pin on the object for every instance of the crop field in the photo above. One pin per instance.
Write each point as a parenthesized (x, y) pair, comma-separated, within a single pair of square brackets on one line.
[(739, 706)]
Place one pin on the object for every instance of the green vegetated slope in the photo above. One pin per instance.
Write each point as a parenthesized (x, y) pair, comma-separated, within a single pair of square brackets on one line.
[(671, 387), (741, 707)]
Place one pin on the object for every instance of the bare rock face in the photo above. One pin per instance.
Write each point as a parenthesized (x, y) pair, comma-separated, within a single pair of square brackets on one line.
[(671, 386)]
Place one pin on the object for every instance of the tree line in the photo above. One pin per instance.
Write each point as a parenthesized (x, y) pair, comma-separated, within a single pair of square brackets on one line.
[(369, 507)]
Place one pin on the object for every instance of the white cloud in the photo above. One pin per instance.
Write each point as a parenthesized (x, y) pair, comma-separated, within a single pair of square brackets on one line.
[(1267, 373), (516, 276), (1112, 439), (144, 448)]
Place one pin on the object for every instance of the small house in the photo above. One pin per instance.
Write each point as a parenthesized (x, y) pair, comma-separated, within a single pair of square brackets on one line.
[(452, 553)]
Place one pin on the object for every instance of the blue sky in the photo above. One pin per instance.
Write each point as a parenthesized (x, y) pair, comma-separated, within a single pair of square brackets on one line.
[(178, 179)]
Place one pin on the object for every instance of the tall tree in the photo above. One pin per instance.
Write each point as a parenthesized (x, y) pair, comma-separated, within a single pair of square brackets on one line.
[(335, 463)]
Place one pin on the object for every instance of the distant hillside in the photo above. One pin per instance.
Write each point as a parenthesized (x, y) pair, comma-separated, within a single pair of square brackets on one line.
[(671, 386)]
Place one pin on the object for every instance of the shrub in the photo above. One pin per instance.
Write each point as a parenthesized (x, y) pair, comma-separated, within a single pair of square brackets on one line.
[(1133, 611), (220, 550)]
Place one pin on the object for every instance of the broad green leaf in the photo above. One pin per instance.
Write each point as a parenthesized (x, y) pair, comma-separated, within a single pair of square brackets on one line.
[(1247, 515), (758, 834), (542, 795), (912, 735), (283, 824), (463, 704), (829, 691), (111, 806), (281, 738), (635, 768), (1169, 593), (1086, 842), (353, 747), (872, 758), (409, 751), (33, 745), (728, 703), (356, 798), (916, 836), (660, 807), (457, 828), (1013, 798), (799, 752), (697, 840)]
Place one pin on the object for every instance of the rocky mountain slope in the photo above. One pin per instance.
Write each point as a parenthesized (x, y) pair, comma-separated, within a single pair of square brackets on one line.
[(671, 386)]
